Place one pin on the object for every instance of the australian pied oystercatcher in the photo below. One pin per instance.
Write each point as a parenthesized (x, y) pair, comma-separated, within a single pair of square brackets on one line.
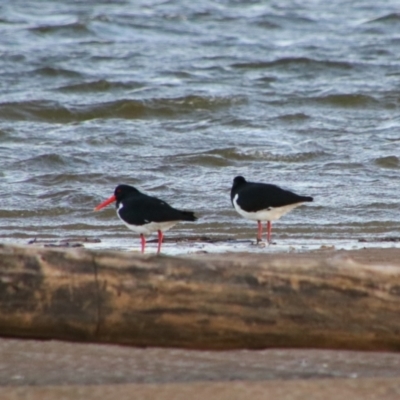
[(263, 202), (145, 214)]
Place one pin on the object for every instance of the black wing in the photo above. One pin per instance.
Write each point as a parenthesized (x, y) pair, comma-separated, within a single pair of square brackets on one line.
[(142, 209), (261, 196)]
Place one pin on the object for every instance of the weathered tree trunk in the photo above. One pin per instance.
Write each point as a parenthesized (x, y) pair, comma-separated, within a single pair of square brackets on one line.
[(209, 301)]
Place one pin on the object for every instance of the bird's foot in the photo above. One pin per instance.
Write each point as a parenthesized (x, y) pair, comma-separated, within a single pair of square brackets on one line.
[(259, 243)]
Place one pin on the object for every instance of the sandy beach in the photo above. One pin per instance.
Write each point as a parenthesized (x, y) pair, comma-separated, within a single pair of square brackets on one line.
[(31, 369)]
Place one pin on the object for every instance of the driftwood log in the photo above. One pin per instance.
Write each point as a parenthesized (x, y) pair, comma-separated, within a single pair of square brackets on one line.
[(203, 302)]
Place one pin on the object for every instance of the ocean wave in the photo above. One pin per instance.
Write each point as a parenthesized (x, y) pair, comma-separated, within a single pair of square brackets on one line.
[(98, 86), (296, 117), (58, 179), (289, 62), (39, 110), (296, 157), (48, 161), (74, 27), (388, 18), (205, 160), (51, 111), (55, 72), (347, 100), (231, 155), (29, 213), (388, 162)]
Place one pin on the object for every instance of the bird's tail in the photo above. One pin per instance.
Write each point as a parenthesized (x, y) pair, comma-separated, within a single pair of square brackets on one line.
[(307, 198)]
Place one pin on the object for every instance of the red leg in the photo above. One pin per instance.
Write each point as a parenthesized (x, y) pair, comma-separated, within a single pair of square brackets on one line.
[(160, 239), (143, 239), (269, 230), (259, 233)]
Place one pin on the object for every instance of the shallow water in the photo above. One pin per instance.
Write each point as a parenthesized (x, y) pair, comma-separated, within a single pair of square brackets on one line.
[(179, 98)]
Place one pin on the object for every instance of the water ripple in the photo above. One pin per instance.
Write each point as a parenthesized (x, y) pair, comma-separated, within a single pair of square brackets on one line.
[(52, 111), (99, 86), (347, 100), (178, 98), (388, 162), (392, 18), (296, 62), (75, 28)]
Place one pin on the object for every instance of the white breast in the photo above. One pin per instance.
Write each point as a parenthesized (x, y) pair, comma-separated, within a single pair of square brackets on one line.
[(270, 214)]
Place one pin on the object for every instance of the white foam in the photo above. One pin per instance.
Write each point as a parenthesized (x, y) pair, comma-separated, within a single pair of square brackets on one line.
[(239, 246)]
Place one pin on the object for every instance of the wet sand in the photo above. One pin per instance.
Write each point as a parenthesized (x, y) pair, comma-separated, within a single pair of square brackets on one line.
[(361, 389), (31, 369)]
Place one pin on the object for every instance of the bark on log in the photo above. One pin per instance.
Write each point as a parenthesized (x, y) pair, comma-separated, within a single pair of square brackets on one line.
[(205, 302)]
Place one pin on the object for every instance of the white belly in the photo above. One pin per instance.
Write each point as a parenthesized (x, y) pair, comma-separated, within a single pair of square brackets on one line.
[(271, 214), (151, 227)]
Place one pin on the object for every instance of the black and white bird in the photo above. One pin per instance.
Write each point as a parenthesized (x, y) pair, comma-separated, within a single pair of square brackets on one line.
[(145, 214), (263, 202)]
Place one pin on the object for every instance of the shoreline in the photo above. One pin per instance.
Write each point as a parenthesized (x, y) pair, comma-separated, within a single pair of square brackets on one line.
[(197, 245)]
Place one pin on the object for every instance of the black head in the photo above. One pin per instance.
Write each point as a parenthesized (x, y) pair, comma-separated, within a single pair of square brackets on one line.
[(237, 184), (123, 191), (239, 180)]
